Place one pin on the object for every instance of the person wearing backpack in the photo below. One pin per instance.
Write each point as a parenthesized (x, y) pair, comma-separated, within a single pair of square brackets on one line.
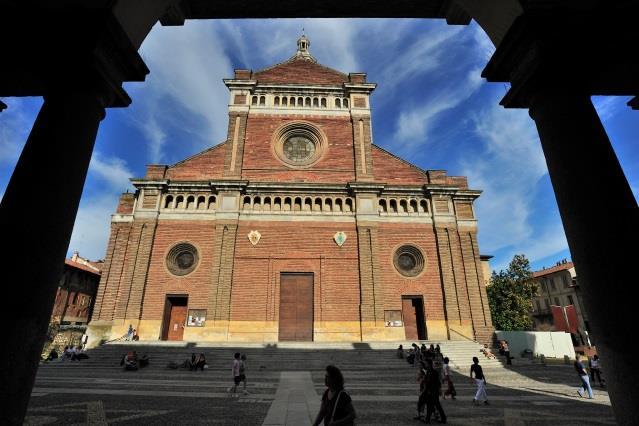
[(337, 406)]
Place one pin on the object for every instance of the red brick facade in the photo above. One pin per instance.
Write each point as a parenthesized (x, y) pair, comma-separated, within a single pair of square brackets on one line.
[(297, 191)]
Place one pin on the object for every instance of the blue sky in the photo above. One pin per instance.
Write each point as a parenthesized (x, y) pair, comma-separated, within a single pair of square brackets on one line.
[(431, 107)]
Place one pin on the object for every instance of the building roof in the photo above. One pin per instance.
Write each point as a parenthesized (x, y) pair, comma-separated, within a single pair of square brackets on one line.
[(301, 68), (83, 264), (547, 271)]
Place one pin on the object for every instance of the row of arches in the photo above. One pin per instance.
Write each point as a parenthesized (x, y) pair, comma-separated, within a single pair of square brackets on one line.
[(190, 202), (299, 101), (402, 206), (297, 204)]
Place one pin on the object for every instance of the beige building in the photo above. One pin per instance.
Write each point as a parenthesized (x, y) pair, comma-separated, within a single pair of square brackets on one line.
[(558, 286)]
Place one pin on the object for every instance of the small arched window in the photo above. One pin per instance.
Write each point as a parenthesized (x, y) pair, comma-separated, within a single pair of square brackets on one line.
[(212, 200), (284, 101), (262, 100), (254, 100), (307, 102), (345, 103), (323, 102), (338, 103), (276, 101), (292, 102), (316, 102)]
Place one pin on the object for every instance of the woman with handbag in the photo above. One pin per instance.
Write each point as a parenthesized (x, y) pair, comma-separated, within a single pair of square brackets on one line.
[(337, 406)]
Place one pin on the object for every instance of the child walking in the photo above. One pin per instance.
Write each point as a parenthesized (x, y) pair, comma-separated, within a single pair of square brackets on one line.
[(236, 374), (243, 372)]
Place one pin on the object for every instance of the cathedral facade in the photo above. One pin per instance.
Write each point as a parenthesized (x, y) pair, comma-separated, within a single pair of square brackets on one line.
[(296, 228)]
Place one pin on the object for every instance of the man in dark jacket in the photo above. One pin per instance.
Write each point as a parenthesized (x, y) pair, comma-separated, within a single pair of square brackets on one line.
[(433, 389)]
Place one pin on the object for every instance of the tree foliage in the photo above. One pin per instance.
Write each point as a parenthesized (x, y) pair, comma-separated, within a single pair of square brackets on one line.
[(510, 295)]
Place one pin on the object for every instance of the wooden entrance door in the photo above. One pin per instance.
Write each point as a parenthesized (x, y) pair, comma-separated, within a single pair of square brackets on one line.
[(175, 312), (296, 307), (410, 320), (413, 313)]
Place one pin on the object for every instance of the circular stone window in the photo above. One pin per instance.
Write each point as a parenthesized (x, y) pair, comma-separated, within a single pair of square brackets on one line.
[(298, 144), (409, 261), (182, 259)]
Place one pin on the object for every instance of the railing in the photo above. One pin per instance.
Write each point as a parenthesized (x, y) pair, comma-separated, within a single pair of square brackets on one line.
[(462, 335)]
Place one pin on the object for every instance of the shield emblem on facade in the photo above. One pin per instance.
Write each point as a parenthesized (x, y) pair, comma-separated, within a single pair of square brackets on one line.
[(339, 237), (254, 237)]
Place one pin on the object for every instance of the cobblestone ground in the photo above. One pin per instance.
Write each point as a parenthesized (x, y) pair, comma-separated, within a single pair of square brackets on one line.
[(384, 394)]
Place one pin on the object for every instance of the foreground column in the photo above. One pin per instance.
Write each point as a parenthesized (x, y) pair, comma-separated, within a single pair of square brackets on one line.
[(600, 218), (36, 219)]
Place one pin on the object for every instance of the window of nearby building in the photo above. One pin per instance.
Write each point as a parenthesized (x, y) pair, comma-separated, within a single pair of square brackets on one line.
[(570, 301), (557, 302), (552, 284), (543, 285), (564, 278)]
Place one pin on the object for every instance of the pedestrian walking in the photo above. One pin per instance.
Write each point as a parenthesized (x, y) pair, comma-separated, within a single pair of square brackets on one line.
[(583, 376), (243, 368), (421, 394), (595, 369), (480, 381), (433, 389), (507, 353), (337, 406), (235, 371), (450, 388), (129, 334)]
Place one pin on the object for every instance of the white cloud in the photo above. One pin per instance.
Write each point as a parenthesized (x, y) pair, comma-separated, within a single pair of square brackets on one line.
[(187, 66), (15, 125), (413, 124), (508, 169), (92, 224)]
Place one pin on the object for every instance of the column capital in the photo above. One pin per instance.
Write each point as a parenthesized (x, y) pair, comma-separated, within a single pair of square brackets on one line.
[(54, 52), (567, 50)]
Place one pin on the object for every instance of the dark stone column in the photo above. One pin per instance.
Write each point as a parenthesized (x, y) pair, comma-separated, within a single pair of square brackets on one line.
[(36, 219), (600, 218)]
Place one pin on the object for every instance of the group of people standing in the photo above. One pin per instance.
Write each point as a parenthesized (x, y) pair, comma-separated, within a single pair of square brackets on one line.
[(595, 370)]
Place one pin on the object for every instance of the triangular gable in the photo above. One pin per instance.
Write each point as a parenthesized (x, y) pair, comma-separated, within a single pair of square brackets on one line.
[(206, 165), (391, 169), (300, 71)]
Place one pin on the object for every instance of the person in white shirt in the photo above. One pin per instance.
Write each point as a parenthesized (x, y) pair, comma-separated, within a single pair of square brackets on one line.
[(595, 369)]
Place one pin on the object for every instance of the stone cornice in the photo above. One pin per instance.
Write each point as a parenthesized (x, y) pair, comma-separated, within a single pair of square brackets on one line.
[(365, 187), (239, 84), (295, 187), (359, 87), (228, 185)]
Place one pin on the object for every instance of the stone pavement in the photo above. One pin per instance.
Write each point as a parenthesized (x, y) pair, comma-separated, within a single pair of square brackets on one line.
[(285, 387)]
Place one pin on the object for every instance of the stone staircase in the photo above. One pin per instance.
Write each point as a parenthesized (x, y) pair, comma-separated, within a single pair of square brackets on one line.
[(281, 356)]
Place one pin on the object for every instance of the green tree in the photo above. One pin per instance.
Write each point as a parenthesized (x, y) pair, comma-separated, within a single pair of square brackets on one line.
[(510, 295)]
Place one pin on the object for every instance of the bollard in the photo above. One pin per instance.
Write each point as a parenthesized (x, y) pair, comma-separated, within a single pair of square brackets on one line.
[(542, 358)]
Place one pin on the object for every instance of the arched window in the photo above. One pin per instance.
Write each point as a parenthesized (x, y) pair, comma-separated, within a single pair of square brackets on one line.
[(393, 206), (383, 207), (316, 102), (338, 103), (307, 103), (339, 205), (257, 203), (276, 101), (277, 204), (254, 100), (300, 102), (292, 102), (262, 100), (308, 205), (298, 204), (328, 205), (267, 204), (201, 202), (423, 206), (413, 206), (247, 203), (179, 202), (345, 103), (190, 202), (349, 205), (287, 204), (317, 206), (403, 206), (284, 101), (212, 203), (323, 102), (168, 202)]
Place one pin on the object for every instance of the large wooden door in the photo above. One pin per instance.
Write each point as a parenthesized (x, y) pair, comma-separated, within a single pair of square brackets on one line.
[(175, 311), (296, 307), (413, 313), (410, 320)]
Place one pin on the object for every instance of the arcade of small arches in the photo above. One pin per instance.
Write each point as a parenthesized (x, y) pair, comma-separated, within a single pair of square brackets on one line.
[(299, 101), (190, 202), (402, 206), (299, 204)]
